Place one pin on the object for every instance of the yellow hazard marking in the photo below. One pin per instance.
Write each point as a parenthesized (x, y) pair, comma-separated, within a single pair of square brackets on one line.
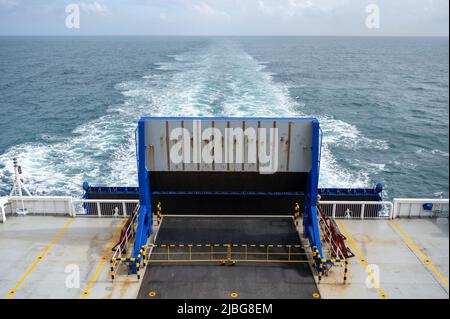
[(100, 266), (363, 261), (234, 295), (421, 254), (38, 260)]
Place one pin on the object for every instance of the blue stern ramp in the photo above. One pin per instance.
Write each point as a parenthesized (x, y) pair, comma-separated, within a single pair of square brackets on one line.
[(228, 166)]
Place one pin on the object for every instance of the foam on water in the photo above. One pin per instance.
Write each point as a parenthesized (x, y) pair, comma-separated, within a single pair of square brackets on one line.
[(217, 80)]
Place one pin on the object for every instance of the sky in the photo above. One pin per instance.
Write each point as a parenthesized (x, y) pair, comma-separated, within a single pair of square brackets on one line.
[(227, 17)]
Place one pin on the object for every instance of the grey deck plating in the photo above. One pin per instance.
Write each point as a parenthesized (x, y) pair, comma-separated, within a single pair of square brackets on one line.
[(402, 270), (196, 281)]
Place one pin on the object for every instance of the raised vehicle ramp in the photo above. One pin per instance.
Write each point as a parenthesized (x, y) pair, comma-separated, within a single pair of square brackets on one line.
[(222, 167)]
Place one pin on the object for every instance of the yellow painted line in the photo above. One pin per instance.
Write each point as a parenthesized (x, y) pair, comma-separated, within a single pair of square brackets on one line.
[(421, 254), (102, 262), (363, 261), (39, 259)]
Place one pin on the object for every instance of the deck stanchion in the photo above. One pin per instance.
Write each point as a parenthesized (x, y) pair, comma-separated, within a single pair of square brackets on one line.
[(296, 214), (111, 265), (345, 271), (320, 271), (138, 271)]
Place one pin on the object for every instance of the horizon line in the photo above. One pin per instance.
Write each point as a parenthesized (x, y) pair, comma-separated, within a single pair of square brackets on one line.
[(221, 35)]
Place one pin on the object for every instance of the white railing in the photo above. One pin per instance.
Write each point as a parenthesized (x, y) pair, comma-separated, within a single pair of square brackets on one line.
[(3, 202), (357, 209), (41, 205), (67, 206), (104, 207), (414, 207)]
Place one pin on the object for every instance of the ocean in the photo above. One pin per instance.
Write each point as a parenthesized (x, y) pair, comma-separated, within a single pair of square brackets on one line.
[(69, 105)]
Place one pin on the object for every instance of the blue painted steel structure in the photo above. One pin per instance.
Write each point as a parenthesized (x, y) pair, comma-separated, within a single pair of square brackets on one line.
[(310, 220), (134, 192), (145, 211)]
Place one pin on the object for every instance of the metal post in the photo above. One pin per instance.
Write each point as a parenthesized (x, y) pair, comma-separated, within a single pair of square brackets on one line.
[(99, 212), (18, 186), (124, 206)]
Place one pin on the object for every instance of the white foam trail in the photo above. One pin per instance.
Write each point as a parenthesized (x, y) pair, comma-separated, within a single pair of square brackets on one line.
[(219, 80), (439, 152)]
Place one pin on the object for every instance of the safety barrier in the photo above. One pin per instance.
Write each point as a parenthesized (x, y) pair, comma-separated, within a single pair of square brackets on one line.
[(127, 235), (333, 242), (323, 265), (104, 207), (66, 205), (40, 205), (137, 262), (227, 254), (357, 209), (414, 207)]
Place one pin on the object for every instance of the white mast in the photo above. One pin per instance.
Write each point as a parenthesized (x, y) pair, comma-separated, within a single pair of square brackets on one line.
[(19, 186)]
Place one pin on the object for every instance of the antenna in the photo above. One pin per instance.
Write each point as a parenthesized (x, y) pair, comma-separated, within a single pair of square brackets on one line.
[(19, 186)]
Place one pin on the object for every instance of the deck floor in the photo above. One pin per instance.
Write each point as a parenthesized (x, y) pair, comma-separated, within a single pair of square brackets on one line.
[(43, 256), (399, 269), (200, 281), (39, 254)]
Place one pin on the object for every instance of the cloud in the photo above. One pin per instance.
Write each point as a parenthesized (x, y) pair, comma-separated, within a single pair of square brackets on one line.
[(289, 8), (8, 3), (234, 17), (205, 9), (94, 7), (262, 7)]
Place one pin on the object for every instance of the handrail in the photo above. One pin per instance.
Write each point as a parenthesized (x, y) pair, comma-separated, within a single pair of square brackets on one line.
[(410, 207), (104, 207), (358, 209), (121, 248), (67, 205), (414, 207), (112, 201)]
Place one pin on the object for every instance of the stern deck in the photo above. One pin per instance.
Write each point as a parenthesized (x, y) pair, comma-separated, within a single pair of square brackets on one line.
[(39, 251)]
